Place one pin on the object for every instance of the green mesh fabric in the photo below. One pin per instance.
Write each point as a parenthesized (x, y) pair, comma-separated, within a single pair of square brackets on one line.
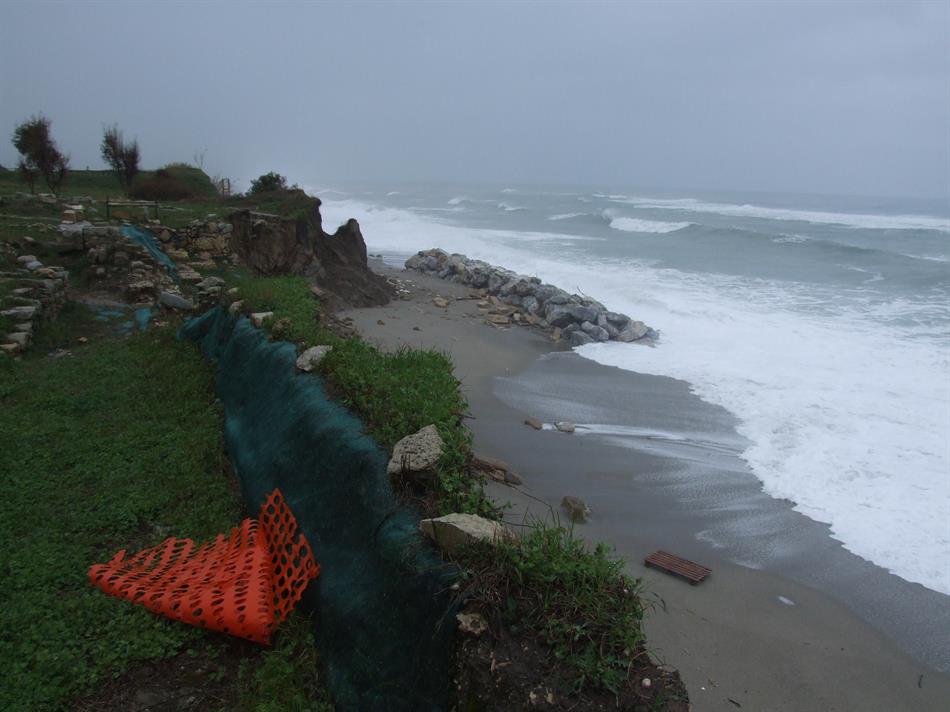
[(382, 609)]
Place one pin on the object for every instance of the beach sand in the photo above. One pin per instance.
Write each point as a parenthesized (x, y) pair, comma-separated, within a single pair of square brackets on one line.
[(800, 625)]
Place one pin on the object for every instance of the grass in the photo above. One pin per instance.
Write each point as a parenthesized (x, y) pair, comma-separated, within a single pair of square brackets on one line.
[(117, 447), (576, 600), (286, 679), (395, 394)]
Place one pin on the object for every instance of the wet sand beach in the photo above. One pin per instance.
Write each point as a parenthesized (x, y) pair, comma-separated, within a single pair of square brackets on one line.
[(788, 620)]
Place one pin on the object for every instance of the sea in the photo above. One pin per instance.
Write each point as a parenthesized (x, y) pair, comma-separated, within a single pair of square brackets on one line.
[(822, 323)]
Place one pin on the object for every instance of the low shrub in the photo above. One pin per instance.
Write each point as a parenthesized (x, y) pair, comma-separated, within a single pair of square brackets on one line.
[(176, 181)]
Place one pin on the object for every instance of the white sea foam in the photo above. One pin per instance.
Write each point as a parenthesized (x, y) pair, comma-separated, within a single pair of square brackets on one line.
[(847, 416), (566, 216), (856, 220), (508, 207), (654, 226), (457, 200)]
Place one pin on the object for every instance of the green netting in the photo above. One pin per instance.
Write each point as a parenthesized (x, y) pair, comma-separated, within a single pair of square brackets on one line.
[(148, 241), (382, 610)]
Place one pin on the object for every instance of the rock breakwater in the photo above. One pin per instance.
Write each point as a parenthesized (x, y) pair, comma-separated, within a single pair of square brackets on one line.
[(573, 317)]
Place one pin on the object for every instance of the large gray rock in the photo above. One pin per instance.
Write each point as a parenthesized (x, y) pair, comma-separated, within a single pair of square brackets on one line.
[(558, 314), (582, 313), (579, 338), (618, 320), (175, 301), (531, 305), (596, 332), (612, 331), (634, 331), (309, 359), (456, 530), (417, 452)]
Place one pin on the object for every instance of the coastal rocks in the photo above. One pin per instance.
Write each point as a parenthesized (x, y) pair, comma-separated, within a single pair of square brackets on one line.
[(175, 301), (494, 470), (456, 530), (417, 452), (565, 426), (310, 359), (576, 508), (534, 423), (578, 319), (270, 245), (32, 293)]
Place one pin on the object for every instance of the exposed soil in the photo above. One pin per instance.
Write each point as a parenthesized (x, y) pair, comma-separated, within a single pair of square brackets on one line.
[(200, 680), (500, 672)]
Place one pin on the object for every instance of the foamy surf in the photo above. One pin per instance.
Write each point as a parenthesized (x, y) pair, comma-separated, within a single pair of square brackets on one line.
[(845, 401), (853, 220), (650, 226)]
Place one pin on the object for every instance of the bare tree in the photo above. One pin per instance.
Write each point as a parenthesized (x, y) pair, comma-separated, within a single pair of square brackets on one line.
[(39, 153), (122, 157)]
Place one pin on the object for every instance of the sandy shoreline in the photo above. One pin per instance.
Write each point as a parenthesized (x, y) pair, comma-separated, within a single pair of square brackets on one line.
[(772, 637)]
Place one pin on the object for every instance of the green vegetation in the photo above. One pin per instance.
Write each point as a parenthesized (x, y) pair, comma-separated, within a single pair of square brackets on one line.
[(121, 156), (268, 183), (176, 181), (577, 601), (395, 394), (116, 447), (39, 155), (97, 184), (98, 454), (287, 677)]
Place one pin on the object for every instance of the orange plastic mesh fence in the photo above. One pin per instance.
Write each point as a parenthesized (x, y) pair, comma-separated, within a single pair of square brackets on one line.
[(243, 585)]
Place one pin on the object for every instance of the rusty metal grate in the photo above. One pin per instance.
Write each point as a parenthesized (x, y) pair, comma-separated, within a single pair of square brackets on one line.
[(678, 566)]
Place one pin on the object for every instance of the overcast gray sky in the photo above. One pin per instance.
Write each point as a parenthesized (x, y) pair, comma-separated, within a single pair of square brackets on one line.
[(829, 97)]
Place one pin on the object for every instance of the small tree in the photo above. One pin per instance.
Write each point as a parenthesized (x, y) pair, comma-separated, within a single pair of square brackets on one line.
[(122, 157), (268, 183), (39, 153), (28, 173)]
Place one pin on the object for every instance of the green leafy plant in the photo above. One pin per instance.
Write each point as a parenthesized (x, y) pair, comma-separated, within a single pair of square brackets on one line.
[(268, 183)]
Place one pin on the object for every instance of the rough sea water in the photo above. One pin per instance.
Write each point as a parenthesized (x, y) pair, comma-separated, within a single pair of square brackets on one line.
[(822, 323)]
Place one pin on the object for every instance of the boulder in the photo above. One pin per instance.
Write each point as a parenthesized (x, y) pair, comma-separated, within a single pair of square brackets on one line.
[(531, 305), (595, 332), (582, 313), (456, 530), (175, 301), (417, 452), (557, 314), (534, 423), (308, 360), (618, 320), (579, 338), (576, 508), (565, 426), (634, 331), (441, 302)]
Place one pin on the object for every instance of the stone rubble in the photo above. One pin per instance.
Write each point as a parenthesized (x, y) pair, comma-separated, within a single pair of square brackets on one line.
[(456, 530), (517, 298), (34, 293)]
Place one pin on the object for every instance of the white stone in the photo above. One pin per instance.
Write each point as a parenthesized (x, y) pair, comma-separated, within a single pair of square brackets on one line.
[(455, 530), (417, 452), (258, 318), (308, 360)]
